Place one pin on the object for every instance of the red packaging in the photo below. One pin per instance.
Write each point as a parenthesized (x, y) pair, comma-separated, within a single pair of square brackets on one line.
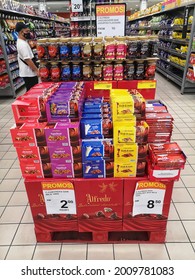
[(99, 204), (28, 154), (156, 173), (145, 222), (31, 170), (168, 148), (168, 161), (48, 223)]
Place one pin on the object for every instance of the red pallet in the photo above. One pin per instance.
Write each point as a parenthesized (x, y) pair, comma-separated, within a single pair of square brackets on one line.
[(101, 236)]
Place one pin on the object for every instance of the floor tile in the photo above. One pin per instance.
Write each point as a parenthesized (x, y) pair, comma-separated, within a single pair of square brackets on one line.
[(181, 195), (186, 130), (188, 170), (1, 210), (20, 253), (25, 235), (177, 136), (9, 185), (47, 252), (154, 252), (100, 252), (27, 218), (12, 215), (176, 232), (3, 173), (189, 136), (173, 213), (73, 252), (21, 186), (16, 164), (127, 252), (192, 192), (191, 159), (19, 198), (4, 198), (189, 181), (190, 228), (3, 252), (186, 211), (7, 233), (180, 251), (4, 148), (14, 174), (6, 163), (10, 155), (179, 184)]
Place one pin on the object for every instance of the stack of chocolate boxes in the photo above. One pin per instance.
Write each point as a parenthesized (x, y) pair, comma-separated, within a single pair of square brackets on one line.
[(130, 133), (97, 143)]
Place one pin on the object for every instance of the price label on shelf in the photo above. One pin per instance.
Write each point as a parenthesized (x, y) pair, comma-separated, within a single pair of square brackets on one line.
[(59, 197), (148, 198), (77, 6), (146, 85), (102, 85)]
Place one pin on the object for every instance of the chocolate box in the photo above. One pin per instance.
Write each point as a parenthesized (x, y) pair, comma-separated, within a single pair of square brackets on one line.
[(67, 170), (31, 170), (28, 154), (99, 204), (66, 154)]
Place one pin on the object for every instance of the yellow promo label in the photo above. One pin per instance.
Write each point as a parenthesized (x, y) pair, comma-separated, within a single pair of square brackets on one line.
[(146, 85), (102, 85), (57, 185)]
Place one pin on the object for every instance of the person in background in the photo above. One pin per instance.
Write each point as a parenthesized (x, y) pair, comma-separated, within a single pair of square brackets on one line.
[(27, 68)]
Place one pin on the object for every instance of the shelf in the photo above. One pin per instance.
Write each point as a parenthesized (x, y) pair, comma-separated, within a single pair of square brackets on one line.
[(19, 86), (163, 59), (15, 77), (176, 66), (14, 68), (164, 11), (83, 18), (8, 85), (170, 75), (4, 72), (191, 82), (177, 41), (173, 52)]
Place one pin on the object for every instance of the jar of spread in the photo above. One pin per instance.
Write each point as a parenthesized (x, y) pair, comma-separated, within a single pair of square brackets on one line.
[(76, 48), (65, 71), (132, 47), (98, 48), (76, 71), (121, 48), (97, 72), (65, 48), (129, 70), (87, 71), (118, 71), (42, 49), (86, 47), (110, 48), (139, 72), (44, 71), (55, 72), (53, 49), (108, 71), (144, 48), (150, 69)]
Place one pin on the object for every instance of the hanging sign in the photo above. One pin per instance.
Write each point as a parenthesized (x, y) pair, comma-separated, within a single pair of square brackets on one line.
[(148, 198), (77, 6), (110, 20), (59, 197)]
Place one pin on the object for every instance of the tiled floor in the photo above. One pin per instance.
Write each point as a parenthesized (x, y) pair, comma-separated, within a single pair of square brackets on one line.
[(17, 239)]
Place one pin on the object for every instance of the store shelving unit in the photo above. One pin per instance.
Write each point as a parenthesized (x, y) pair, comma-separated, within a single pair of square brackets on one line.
[(173, 71), (43, 27)]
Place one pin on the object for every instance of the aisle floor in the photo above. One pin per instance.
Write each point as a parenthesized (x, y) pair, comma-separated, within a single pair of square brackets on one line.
[(17, 239)]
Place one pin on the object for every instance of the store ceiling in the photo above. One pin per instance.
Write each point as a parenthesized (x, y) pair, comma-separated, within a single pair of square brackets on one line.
[(63, 5)]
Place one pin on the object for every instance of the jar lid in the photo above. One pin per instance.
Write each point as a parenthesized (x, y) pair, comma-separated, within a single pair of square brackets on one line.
[(65, 62), (98, 39), (108, 38), (43, 40), (53, 40), (87, 39), (54, 63), (86, 63), (131, 38), (64, 40), (76, 39), (120, 38)]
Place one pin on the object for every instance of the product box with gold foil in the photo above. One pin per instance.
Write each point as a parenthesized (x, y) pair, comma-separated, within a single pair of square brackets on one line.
[(126, 153), (125, 169), (99, 204)]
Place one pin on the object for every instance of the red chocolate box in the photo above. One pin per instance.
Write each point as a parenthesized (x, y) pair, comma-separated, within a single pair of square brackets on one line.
[(43, 221), (99, 204), (150, 221), (31, 170), (28, 154)]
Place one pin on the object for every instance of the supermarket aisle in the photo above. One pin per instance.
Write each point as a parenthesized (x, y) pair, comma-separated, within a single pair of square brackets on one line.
[(17, 240)]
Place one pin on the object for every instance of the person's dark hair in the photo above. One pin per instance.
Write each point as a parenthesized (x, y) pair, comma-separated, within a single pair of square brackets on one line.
[(20, 25)]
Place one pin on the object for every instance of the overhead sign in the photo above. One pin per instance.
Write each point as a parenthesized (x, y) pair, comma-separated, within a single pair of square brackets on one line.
[(110, 20), (77, 6)]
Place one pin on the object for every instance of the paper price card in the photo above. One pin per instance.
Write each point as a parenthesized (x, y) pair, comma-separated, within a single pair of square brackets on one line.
[(102, 85), (59, 197), (77, 6), (146, 85), (148, 198)]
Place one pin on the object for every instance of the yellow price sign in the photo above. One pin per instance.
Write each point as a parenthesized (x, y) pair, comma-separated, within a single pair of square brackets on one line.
[(146, 85), (102, 85)]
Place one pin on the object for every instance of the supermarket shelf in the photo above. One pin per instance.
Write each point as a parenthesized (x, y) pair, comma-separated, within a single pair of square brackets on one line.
[(157, 27), (182, 55), (19, 86), (8, 85), (177, 41), (176, 65), (15, 68), (170, 75), (164, 11), (191, 82), (84, 18), (4, 72), (164, 59), (14, 77), (12, 60)]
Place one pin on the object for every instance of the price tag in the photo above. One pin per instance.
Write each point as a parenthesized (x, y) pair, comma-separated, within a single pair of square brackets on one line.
[(59, 197), (102, 85), (146, 85), (148, 198), (77, 6)]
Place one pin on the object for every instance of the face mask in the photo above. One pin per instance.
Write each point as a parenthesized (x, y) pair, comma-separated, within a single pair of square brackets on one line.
[(27, 35)]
